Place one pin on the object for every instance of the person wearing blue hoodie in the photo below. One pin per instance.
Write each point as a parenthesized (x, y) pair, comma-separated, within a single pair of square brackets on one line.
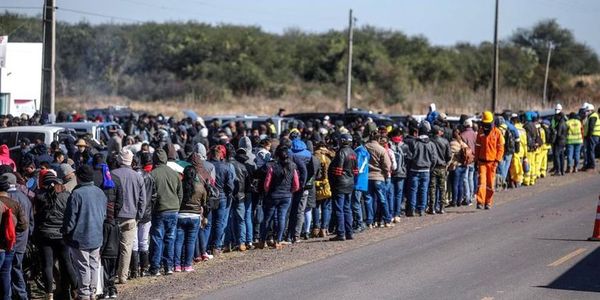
[(361, 182), (303, 160)]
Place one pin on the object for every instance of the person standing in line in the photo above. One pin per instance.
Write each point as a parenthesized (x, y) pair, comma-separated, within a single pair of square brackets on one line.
[(342, 170), (560, 142), (469, 136), (82, 229), (439, 174), (489, 151), (574, 142), (379, 169)]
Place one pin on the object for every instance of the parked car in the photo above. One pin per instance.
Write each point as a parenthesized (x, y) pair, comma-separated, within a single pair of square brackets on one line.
[(99, 132), (254, 122), (12, 136)]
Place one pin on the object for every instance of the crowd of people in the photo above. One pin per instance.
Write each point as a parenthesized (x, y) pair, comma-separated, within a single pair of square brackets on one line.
[(166, 194)]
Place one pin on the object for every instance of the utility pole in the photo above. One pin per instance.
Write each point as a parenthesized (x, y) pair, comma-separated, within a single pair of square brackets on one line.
[(49, 57), (544, 99), (495, 71), (349, 70)]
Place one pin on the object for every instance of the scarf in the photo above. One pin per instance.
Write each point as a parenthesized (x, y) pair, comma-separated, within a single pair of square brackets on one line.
[(107, 182)]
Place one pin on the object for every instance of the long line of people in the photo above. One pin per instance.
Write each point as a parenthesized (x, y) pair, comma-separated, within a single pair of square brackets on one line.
[(171, 194)]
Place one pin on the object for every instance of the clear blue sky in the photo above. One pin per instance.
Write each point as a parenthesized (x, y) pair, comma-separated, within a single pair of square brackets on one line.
[(443, 22)]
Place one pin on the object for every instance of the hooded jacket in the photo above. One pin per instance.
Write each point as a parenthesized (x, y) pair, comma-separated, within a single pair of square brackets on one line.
[(242, 175), (246, 144), (443, 154), (84, 217), (380, 164), (301, 157), (422, 154), (49, 215), (5, 157), (169, 191), (342, 170)]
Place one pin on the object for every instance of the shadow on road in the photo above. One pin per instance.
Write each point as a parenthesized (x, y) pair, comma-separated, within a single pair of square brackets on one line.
[(581, 277)]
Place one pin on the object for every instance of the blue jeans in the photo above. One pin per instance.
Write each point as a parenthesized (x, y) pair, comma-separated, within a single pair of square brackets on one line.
[(377, 189), (322, 214), (469, 183), (357, 208), (458, 185), (275, 208), (397, 196), (187, 233), (219, 219), (342, 204), (6, 258), (590, 151), (162, 240), (307, 220), (242, 212), (503, 166), (204, 236), (419, 184), (18, 280), (573, 154)]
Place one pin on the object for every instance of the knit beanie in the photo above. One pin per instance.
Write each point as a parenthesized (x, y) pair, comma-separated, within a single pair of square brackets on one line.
[(85, 173), (125, 157), (4, 185)]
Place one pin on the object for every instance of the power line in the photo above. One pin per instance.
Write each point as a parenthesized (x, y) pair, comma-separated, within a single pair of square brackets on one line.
[(20, 7), (87, 13)]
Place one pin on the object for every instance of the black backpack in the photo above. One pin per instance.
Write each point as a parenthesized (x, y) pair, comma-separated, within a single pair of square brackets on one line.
[(509, 141)]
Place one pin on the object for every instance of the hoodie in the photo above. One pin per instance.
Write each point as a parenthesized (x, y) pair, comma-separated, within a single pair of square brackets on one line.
[(5, 157), (423, 154), (168, 186), (246, 144), (301, 157)]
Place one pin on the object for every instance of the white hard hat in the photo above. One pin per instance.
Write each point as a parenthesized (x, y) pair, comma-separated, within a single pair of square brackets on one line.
[(585, 106), (590, 107)]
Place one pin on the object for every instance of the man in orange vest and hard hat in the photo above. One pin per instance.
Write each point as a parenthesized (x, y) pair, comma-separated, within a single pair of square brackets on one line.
[(489, 151)]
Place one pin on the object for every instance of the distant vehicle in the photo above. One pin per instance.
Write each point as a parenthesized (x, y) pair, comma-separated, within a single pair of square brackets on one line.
[(12, 136), (254, 122), (347, 117), (98, 131), (118, 111), (21, 79)]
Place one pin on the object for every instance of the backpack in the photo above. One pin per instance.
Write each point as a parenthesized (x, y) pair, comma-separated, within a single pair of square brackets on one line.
[(9, 235), (467, 155), (322, 186), (509, 141)]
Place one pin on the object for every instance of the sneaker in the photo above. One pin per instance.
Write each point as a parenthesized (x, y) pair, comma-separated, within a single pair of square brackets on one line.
[(103, 296), (337, 239), (370, 226), (285, 243), (206, 257), (479, 206), (198, 259), (188, 269), (177, 269), (487, 206), (170, 272), (242, 248), (261, 245), (349, 237), (388, 225), (155, 273), (113, 294), (421, 213), (250, 246)]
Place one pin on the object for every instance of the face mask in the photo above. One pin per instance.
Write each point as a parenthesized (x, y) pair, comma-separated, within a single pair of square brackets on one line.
[(397, 139)]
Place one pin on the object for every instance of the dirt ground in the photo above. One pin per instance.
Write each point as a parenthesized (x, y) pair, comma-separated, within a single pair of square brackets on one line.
[(236, 267)]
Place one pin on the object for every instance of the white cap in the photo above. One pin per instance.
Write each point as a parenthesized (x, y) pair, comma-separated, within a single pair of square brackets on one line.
[(590, 107), (558, 108), (468, 123), (326, 118), (585, 106)]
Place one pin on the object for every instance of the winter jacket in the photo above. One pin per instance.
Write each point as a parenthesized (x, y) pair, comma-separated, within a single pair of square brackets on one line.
[(379, 162), (84, 217), (241, 178), (342, 170), (18, 211), (225, 178), (534, 140), (5, 157), (23, 237), (301, 157), (246, 144), (401, 153), (361, 180), (193, 201), (423, 155), (169, 192), (490, 147), (442, 151), (132, 191), (560, 135), (311, 202), (282, 179), (114, 196), (49, 215), (151, 196), (469, 136)]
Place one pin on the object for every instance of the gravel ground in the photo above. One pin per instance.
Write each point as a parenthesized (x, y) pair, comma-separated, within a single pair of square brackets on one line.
[(236, 267)]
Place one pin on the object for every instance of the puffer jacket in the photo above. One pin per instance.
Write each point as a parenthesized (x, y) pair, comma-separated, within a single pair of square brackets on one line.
[(342, 170), (151, 196), (49, 214)]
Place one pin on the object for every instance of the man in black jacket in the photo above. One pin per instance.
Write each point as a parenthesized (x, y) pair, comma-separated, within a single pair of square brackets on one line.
[(559, 143), (342, 170)]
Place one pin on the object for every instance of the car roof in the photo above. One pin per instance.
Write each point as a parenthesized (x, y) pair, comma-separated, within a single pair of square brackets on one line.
[(31, 129)]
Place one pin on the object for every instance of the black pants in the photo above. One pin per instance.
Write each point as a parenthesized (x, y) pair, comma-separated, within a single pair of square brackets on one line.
[(559, 159), (109, 265), (52, 249)]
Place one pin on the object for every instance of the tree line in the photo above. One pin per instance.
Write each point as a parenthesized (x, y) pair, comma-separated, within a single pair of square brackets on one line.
[(151, 61)]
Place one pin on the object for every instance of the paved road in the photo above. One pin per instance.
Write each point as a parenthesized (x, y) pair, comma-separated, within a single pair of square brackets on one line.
[(524, 249)]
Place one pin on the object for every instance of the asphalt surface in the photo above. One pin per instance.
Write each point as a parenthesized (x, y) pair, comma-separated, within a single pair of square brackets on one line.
[(532, 248)]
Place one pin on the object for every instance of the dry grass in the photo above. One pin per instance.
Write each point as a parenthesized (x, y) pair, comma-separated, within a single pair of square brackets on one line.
[(451, 101)]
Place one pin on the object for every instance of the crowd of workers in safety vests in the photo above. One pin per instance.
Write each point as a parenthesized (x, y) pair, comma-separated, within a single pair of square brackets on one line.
[(167, 194)]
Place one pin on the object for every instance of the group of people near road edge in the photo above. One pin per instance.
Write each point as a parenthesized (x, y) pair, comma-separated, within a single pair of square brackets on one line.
[(166, 195)]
